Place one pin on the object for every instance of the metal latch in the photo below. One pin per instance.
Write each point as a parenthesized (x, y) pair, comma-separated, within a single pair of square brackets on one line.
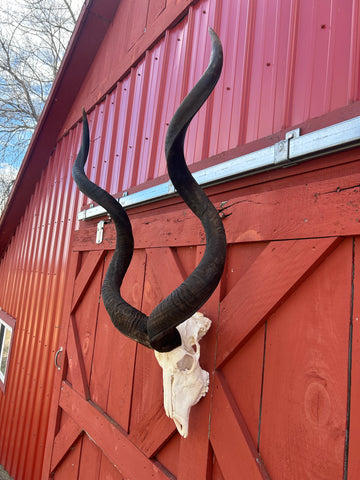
[(282, 148), (100, 231)]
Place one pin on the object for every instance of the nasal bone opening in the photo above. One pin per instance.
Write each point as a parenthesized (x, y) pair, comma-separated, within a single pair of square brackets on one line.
[(185, 363)]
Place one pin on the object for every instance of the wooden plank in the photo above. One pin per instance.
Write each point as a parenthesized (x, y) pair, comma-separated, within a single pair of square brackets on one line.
[(153, 431), (69, 467), (147, 391), (320, 208), (194, 461), (65, 438), (316, 209), (124, 350), (108, 471), (77, 371), (233, 446), (164, 273), (114, 354), (123, 357), (303, 419), (90, 461), (243, 373), (353, 463), (108, 436), (54, 410), (166, 267), (275, 274), (85, 276), (85, 317)]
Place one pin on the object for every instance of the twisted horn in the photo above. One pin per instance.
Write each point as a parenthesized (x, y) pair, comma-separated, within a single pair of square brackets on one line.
[(159, 331)]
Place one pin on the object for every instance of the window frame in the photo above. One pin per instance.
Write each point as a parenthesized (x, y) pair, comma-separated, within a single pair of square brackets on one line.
[(9, 324)]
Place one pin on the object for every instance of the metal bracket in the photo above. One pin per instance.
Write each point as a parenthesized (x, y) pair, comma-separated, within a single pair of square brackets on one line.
[(100, 232), (282, 148)]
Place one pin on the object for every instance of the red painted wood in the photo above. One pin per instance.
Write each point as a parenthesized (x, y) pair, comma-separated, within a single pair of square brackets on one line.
[(147, 386), (111, 385), (76, 368), (268, 84), (325, 207), (233, 446), (70, 464), (243, 374), (194, 461), (152, 431), (287, 262), (216, 471), (305, 380), (86, 275), (128, 459), (354, 434), (54, 410), (90, 461), (166, 269), (169, 455), (108, 471), (85, 317), (65, 438)]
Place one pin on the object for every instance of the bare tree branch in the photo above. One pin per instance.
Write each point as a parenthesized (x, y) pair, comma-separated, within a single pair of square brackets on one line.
[(33, 39)]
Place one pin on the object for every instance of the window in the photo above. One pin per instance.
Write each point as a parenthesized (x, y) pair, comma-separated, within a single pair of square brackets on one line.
[(7, 325)]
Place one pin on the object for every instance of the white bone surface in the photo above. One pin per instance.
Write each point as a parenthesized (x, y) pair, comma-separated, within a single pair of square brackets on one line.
[(185, 382)]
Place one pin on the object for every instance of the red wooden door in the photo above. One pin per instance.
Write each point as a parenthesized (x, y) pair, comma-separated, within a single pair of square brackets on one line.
[(284, 343), (111, 422)]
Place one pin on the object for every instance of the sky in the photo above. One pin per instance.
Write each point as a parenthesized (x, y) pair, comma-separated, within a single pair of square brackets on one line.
[(6, 169)]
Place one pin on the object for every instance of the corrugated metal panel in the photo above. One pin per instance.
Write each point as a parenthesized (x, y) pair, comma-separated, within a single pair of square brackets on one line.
[(35, 271), (285, 62)]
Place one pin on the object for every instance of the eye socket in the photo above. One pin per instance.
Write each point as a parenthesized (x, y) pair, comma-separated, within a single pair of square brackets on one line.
[(185, 363)]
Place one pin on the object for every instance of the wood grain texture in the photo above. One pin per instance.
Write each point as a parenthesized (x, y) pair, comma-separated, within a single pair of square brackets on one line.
[(243, 374), (304, 402), (353, 466), (86, 275), (76, 370), (237, 458), (319, 208), (108, 436), (65, 438), (153, 431), (274, 275), (69, 466)]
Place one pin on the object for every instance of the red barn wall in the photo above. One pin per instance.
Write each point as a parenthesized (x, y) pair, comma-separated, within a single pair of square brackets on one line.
[(284, 63)]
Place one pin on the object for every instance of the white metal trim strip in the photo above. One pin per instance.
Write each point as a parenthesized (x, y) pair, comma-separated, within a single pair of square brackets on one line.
[(294, 149)]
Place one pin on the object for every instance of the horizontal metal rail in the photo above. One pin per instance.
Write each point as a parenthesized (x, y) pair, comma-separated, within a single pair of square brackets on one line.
[(294, 149)]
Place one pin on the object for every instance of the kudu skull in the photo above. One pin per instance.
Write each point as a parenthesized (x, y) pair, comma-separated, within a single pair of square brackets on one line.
[(158, 330)]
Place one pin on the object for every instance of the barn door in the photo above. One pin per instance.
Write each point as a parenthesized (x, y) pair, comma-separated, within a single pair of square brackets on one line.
[(276, 386), (281, 351), (110, 417), (280, 394)]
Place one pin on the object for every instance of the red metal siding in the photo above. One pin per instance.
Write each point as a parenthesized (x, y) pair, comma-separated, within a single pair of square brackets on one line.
[(285, 62), (34, 270)]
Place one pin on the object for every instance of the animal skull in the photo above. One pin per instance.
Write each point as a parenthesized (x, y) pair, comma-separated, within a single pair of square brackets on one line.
[(185, 382)]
